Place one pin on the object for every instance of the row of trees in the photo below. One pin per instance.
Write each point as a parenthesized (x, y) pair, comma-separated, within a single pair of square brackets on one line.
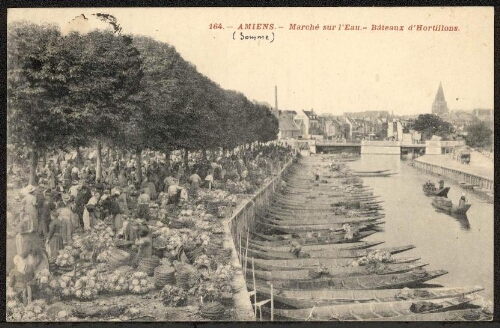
[(81, 90)]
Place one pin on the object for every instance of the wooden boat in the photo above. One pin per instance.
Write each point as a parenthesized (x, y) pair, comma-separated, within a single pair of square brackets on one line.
[(296, 229), (446, 208), (387, 281), (379, 171), (432, 191), (301, 299), (373, 175), (318, 222), (332, 238), (288, 213), (381, 311), (333, 272), (466, 185), (325, 199), (295, 264), (330, 254), (294, 220), (305, 248), (455, 315)]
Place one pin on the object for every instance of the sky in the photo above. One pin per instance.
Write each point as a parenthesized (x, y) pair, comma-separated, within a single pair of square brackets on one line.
[(330, 71)]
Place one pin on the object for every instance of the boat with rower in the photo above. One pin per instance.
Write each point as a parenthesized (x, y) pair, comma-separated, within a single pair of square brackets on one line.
[(430, 190), (447, 206)]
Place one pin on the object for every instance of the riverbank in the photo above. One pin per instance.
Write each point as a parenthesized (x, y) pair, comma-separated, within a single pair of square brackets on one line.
[(478, 172)]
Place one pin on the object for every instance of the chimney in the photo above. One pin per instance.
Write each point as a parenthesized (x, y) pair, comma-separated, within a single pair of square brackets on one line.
[(276, 97)]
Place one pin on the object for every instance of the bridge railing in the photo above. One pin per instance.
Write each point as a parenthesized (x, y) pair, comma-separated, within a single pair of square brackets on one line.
[(380, 143)]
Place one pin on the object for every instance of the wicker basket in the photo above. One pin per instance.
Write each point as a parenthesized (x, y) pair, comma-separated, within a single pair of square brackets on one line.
[(148, 265), (175, 224), (164, 275), (212, 310), (192, 254)]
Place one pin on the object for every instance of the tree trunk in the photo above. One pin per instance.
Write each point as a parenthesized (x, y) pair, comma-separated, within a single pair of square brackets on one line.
[(138, 165), (186, 159), (33, 165), (98, 168), (108, 159), (204, 155), (167, 158), (44, 159), (79, 159)]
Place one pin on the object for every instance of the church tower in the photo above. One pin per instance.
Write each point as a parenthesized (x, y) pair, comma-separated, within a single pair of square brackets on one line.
[(439, 105)]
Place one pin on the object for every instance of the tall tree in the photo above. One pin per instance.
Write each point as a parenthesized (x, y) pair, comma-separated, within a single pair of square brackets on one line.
[(479, 134), (37, 117), (106, 71), (430, 124)]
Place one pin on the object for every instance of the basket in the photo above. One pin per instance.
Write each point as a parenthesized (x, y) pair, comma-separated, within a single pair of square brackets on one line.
[(164, 275), (148, 265), (187, 276), (175, 224), (192, 254), (212, 311)]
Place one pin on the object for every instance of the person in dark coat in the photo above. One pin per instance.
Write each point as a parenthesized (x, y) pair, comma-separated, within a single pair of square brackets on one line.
[(81, 200)]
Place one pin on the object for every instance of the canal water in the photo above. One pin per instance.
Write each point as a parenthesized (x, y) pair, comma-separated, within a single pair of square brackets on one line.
[(462, 247)]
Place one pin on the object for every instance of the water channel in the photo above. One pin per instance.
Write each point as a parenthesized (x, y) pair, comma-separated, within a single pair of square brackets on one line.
[(464, 247)]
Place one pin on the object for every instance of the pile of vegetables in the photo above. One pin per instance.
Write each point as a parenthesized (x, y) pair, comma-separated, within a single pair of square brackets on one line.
[(140, 283), (17, 311), (65, 257), (173, 296), (86, 288)]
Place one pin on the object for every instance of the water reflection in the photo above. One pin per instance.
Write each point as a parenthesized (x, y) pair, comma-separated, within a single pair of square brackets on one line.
[(463, 220), (462, 245)]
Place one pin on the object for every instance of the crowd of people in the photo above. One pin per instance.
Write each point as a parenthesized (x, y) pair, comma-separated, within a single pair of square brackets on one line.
[(68, 198)]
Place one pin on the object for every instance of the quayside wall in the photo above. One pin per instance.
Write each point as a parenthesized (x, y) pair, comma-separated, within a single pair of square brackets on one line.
[(236, 229), (455, 174)]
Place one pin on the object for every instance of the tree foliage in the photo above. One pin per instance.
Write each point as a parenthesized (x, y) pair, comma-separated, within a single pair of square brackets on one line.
[(430, 124), (479, 134), (132, 93)]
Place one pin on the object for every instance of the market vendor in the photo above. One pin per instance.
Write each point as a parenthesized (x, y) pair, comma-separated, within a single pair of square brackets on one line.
[(144, 243), (143, 205), (194, 180), (87, 222), (30, 205), (54, 242), (173, 193), (18, 281), (66, 217)]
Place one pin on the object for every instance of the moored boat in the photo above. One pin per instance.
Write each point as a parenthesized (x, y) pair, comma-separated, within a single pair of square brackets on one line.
[(305, 248), (335, 272), (294, 264), (325, 254), (308, 298), (315, 239), (380, 311), (398, 280)]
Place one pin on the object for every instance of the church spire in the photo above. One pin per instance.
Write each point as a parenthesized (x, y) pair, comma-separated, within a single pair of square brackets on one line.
[(440, 93), (439, 106)]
